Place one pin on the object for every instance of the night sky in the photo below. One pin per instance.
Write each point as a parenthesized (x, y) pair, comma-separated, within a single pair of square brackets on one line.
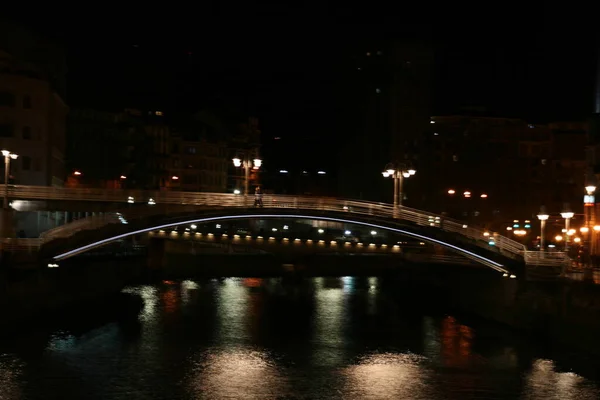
[(283, 63)]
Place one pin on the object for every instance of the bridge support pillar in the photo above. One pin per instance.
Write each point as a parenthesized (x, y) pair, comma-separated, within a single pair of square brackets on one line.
[(7, 223)]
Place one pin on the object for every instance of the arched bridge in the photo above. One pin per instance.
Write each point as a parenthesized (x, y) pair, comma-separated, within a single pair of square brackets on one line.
[(143, 211)]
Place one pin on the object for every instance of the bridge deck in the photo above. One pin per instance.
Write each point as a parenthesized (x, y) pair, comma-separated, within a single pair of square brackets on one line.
[(143, 204)]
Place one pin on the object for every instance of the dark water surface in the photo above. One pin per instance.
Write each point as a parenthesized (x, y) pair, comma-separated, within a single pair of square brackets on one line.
[(339, 338)]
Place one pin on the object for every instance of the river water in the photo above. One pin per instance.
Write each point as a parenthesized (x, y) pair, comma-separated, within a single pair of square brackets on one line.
[(250, 338)]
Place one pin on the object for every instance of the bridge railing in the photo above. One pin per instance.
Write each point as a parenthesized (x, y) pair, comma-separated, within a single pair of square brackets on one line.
[(478, 236), (83, 224), (547, 258), (21, 244)]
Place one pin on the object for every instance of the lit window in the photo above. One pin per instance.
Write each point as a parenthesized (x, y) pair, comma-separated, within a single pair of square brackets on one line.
[(368, 54), (379, 52), (159, 113), (455, 158), (377, 90)]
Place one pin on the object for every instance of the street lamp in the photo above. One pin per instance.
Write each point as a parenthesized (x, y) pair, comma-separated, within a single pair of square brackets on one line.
[(398, 171), (543, 217), (247, 164), (567, 215), (7, 157)]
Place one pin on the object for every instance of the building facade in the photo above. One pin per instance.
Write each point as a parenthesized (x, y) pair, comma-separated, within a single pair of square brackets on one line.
[(141, 150), (387, 114), (199, 165), (492, 171), (32, 123)]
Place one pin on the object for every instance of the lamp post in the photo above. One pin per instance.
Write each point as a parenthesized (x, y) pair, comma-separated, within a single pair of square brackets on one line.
[(398, 172), (543, 217), (567, 215), (247, 164), (7, 157), (589, 203)]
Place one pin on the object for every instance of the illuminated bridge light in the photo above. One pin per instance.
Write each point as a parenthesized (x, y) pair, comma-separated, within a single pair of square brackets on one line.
[(483, 260)]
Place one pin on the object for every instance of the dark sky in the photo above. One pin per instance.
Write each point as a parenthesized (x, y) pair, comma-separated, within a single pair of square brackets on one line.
[(282, 63)]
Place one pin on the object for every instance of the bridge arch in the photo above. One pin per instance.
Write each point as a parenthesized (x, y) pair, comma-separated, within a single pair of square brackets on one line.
[(486, 261)]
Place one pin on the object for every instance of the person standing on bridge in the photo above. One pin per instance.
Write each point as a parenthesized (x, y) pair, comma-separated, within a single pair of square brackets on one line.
[(258, 197)]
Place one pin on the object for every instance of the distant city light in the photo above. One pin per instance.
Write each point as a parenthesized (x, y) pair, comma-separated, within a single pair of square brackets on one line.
[(321, 172), (283, 171)]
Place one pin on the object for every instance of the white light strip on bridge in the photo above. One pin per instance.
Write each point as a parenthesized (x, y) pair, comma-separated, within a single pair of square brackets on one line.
[(477, 257)]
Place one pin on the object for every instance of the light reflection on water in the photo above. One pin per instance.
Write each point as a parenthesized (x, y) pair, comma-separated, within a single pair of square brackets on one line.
[(10, 377), (340, 338), (236, 373), (544, 382), (389, 375)]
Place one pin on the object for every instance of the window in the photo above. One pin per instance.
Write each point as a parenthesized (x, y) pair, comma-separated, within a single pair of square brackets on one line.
[(37, 164), (25, 163), (7, 99), (26, 101), (6, 130), (190, 150), (26, 132)]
